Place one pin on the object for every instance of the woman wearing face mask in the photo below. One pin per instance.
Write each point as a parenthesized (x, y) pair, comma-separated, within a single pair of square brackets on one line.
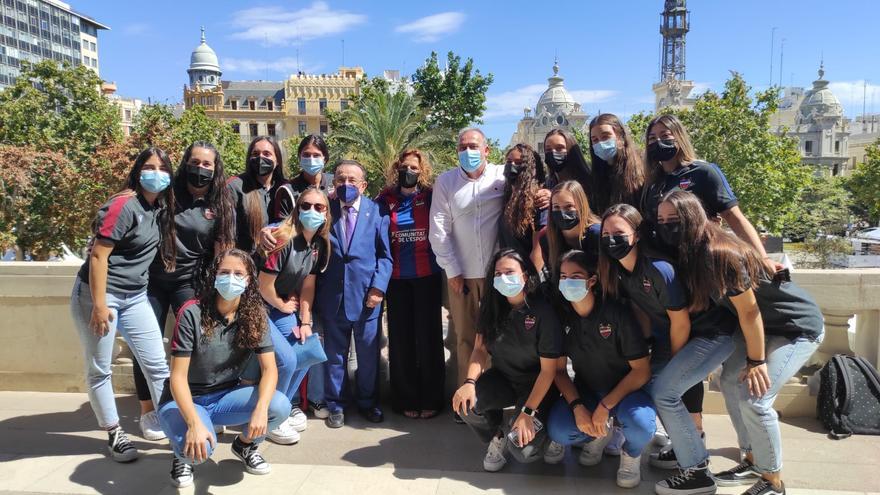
[(672, 165), (313, 157), (110, 291), (215, 338), (300, 255), (519, 329), (652, 286), (573, 225), (415, 328), (522, 219), (254, 189), (618, 169), (203, 221), (793, 330), (611, 365), (717, 267), (565, 160)]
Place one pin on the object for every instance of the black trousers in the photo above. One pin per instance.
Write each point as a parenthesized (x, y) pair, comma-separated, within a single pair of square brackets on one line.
[(162, 295), (496, 393), (415, 344)]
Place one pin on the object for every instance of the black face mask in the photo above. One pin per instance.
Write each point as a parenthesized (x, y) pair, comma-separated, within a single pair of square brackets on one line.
[(616, 246), (554, 164), (261, 165), (662, 150), (512, 171), (198, 176), (669, 233), (407, 178), (564, 220)]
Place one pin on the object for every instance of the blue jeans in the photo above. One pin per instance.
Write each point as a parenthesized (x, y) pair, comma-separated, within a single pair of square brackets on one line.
[(635, 413), (290, 376), (688, 367), (134, 319), (229, 407), (315, 386), (754, 419)]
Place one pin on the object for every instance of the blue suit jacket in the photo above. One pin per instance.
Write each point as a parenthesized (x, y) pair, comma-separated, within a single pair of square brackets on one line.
[(353, 270)]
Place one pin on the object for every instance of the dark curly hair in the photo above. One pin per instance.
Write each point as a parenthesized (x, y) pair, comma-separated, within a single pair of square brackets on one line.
[(252, 320), (519, 196)]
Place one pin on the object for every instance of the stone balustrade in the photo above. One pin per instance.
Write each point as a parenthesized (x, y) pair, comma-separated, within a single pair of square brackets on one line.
[(40, 349)]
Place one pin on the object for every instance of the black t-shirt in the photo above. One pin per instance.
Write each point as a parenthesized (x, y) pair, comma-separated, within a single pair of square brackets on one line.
[(130, 223), (589, 244), (601, 345), (215, 363), (293, 263), (240, 185), (786, 309), (195, 230), (287, 194), (654, 288), (705, 180), (529, 333), (522, 244)]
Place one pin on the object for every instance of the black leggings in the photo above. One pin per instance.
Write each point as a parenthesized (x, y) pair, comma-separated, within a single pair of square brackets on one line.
[(162, 295)]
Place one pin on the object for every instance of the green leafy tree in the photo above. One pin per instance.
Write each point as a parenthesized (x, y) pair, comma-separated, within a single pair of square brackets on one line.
[(638, 124), (453, 98), (864, 183), (823, 209)]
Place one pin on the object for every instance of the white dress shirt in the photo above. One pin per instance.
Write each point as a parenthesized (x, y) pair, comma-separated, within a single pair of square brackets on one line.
[(464, 220)]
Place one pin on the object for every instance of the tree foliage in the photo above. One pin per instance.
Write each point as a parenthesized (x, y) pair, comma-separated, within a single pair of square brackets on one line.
[(453, 98), (822, 209), (864, 184)]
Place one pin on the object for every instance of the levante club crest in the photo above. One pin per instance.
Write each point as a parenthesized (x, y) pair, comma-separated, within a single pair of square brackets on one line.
[(605, 330), (529, 322)]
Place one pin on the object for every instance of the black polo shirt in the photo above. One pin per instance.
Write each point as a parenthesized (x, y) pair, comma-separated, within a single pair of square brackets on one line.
[(654, 288), (216, 363), (130, 223), (240, 185), (589, 244), (704, 179), (786, 309), (285, 198), (529, 333), (601, 345), (195, 231), (293, 263), (507, 238)]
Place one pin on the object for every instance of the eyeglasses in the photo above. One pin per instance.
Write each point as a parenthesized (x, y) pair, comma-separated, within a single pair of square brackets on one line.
[(306, 206)]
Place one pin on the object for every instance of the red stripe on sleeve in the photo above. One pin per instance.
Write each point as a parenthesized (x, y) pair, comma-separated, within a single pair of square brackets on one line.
[(272, 261), (109, 222), (177, 321)]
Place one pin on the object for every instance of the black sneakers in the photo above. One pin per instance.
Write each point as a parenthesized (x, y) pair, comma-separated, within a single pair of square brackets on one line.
[(250, 456), (181, 473), (665, 458), (692, 481), (743, 474), (120, 447), (764, 487)]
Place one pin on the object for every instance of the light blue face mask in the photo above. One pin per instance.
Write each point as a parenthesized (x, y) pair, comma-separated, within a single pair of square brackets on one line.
[(573, 289), (606, 150), (230, 286), (155, 181), (312, 165), (469, 160), (311, 219), (508, 285)]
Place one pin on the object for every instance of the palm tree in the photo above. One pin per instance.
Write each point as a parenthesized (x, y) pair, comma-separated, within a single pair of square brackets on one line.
[(381, 125)]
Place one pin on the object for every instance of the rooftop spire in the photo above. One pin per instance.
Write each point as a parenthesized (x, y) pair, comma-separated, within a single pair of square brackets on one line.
[(203, 34)]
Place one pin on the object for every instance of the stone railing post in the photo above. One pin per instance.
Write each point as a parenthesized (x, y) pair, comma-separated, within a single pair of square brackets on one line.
[(867, 338), (836, 336)]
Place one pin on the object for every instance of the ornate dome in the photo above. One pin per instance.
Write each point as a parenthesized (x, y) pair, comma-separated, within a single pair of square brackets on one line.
[(820, 101), (204, 57), (556, 100)]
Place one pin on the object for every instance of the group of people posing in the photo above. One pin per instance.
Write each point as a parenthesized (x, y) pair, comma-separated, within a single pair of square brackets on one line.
[(591, 294)]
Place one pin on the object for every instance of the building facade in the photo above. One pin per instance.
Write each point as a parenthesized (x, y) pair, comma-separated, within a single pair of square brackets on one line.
[(36, 30), (128, 107), (556, 109)]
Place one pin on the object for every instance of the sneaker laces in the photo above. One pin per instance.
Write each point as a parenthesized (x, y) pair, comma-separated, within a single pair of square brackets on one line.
[(252, 455), (496, 447), (180, 469), (683, 476), (120, 441), (759, 487)]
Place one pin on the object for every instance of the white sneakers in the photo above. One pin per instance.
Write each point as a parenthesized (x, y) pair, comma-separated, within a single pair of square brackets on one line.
[(285, 434), (661, 438), (495, 459), (150, 428), (592, 452), (298, 420), (615, 445), (554, 453), (629, 474)]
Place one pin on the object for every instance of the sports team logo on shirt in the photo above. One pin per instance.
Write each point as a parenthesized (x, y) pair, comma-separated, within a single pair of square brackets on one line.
[(529, 322), (567, 329), (646, 284), (605, 330), (392, 206), (685, 183), (209, 214), (418, 203)]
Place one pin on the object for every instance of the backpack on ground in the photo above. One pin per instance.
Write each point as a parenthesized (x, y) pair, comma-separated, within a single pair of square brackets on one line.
[(849, 397)]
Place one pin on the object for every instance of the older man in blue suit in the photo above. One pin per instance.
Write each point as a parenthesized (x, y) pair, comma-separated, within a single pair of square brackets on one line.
[(350, 292)]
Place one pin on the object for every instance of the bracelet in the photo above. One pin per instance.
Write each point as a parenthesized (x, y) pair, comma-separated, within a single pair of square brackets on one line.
[(575, 403), (471, 381), (305, 324), (602, 403), (755, 362)]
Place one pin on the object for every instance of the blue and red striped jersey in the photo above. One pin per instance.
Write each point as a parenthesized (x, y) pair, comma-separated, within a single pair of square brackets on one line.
[(410, 217)]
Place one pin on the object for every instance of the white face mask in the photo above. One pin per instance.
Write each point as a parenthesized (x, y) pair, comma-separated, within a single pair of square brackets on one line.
[(573, 289)]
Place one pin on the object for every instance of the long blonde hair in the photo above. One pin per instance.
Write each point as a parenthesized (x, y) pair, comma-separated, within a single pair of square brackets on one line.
[(586, 217), (292, 226)]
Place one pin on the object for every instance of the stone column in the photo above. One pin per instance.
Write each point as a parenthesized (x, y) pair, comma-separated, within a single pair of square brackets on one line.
[(867, 341), (836, 336)]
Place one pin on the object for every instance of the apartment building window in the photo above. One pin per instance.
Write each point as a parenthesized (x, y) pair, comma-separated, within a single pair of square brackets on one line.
[(236, 128), (128, 115), (322, 106), (837, 146), (252, 104), (233, 104), (270, 129), (302, 128), (254, 129), (343, 104), (323, 128), (808, 147), (301, 106)]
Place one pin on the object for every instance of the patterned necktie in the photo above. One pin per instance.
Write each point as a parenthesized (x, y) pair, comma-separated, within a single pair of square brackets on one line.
[(350, 220)]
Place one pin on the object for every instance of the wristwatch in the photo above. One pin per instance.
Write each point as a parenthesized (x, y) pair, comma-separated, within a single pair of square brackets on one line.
[(528, 411)]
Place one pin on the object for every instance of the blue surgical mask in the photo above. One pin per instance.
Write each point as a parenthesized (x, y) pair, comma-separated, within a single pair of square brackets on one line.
[(606, 150), (508, 285), (312, 165), (573, 289), (347, 193), (469, 160), (230, 286), (155, 181), (311, 219)]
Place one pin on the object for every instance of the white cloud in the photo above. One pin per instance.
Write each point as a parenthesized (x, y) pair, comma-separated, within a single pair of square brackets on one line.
[(284, 65), (433, 27), (852, 93), (136, 29), (279, 26), (512, 103)]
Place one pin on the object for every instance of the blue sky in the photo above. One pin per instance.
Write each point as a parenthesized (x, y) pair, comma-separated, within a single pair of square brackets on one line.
[(608, 51)]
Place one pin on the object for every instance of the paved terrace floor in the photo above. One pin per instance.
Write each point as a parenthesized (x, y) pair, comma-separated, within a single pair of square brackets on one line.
[(48, 445)]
